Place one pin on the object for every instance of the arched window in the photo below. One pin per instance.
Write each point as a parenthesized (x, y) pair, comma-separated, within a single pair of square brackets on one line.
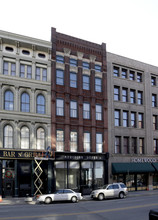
[(40, 138), (8, 136), (25, 102), (40, 104), (8, 100), (25, 138)]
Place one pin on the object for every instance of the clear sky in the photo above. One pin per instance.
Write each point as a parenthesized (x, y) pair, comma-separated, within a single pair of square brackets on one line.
[(128, 27)]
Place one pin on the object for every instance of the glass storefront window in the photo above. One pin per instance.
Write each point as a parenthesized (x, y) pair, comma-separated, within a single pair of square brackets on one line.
[(130, 182), (61, 174), (98, 174), (86, 177), (155, 181), (73, 176), (142, 180)]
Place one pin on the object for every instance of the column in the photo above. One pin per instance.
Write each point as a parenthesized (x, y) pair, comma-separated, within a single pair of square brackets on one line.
[(16, 189), (32, 179)]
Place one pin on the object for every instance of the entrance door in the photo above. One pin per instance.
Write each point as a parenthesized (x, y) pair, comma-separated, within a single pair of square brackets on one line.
[(86, 177)]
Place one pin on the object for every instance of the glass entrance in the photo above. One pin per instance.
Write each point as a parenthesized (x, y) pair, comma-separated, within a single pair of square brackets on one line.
[(86, 177)]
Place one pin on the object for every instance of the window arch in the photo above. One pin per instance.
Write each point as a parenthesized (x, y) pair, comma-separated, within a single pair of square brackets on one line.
[(25, 138), (25, 102), (8, 136), (40, 104), (40, 139), (8, 100)]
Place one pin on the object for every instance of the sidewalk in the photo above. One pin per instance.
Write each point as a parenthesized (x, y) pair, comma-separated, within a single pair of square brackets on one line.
[(22, 200)]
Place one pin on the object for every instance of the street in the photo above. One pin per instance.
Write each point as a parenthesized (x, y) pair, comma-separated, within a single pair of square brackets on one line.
[(131, 208)]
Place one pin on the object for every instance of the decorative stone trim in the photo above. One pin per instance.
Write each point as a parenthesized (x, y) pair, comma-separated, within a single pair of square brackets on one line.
[(92, 58), (73, 69), (60, 66), (86, 72), (98, 74), (67, 52), (79, 55)]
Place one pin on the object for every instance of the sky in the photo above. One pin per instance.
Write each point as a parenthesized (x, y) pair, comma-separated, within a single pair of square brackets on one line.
[(128, 27)]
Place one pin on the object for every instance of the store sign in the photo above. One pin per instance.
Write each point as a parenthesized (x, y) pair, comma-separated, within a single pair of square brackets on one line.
[(144, 160), (10, 154), (78, 157)]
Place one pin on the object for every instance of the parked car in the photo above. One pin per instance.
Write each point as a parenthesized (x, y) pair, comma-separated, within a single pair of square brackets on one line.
[(115, 190), (60, 195)]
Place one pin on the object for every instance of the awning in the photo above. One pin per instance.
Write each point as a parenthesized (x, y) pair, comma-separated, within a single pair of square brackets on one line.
[(155, 165), (132, 168)]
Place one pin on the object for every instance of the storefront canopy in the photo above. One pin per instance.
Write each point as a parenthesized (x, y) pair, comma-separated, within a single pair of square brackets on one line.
[(155, 166), (132, 168)]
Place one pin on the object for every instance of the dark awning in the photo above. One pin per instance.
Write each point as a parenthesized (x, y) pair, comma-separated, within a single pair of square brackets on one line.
[(132, 168), (155, 165)]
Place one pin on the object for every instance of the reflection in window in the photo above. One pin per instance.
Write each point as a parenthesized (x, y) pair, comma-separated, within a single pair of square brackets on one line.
[(98, 84), (8, 100), (99, 143), (60, 140), (8, 136), (86, 110), (73, 109), (25, 138), (86, 82), (60, 107), (40, 104), (40, 139), (25, 102), (73, 141), (73, 80), (86, 142)]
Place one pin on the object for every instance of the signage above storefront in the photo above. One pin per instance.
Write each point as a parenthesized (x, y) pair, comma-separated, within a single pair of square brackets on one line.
[(12, 154), (144, 160)]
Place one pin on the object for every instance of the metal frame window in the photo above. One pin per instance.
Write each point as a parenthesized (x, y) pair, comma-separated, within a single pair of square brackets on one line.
[(153, 80), (140, 98), (126, 145), (98, 112), (60, 107), (98, 68), (41, 73), (25, 137), (132, 96), (8, 100), (60, 140), (154, 102), (116, 71), (73, 62), (117, 149), (59, 77), (134, 145), (73, 141), (40, 104), (9, 68), (141, 145), (86, 110), (155, 122), (139, 77), (73, 109), (98, 84), (117, 117), (140, 120), (86, 82), (124, 95), (116, 93), (99, 142), (132, 75), (155, 142), (59, 59), (125, 119), (86, 141), (85, 65), (25, 102), (25, 71), (133, 119), (73, 79), (124, 73), (40, 139), (8, 136)]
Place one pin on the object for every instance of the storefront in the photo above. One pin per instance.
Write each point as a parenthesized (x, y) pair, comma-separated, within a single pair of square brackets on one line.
[(140, 174), (81, 172)]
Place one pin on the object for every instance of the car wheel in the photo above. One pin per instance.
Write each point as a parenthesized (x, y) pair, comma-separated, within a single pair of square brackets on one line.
[(48, 200), (121, 195), (101, 196), (74, 199)]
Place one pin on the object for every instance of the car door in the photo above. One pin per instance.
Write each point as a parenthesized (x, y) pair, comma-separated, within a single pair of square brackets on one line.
[(116, 190), (109, 192), (67, 194), (58, 195)]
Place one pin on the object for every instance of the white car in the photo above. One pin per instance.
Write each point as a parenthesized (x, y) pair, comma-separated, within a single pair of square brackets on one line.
[(115, 190), (60, 195)]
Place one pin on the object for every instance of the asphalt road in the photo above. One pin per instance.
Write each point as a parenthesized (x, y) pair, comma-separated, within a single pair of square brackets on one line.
[(130, 208)]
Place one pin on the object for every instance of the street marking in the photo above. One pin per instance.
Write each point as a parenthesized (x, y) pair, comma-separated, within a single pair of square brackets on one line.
[(79, 213)]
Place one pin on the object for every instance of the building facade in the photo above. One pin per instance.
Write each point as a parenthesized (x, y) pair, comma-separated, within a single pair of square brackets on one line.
[(79, 113), (132, 122), (25, 112)]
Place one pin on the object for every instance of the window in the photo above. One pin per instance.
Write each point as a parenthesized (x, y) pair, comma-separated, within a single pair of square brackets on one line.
[(40, 139), (117, 117), (99, 143), (124, 73), (116, 93), (98, 112), (140, 98), (73, 141), (155, 122), (98, 84), (125, 119), (8, 100), (59, 77), (73, 80), (41, 74), (85, 65), (155, 146), (73, 62), (25, 71), (132, 75), (97, 68), (9, 68), (132, 96), (154, 102), (153, 81), (86, 110), (25, 102), (25, 138), (86, 82), (133, 119), (141, 145), (134, 145), (140, 120), (40, 104), (60, 107), (139, 77), (124, 95), (73, 109), (117, 149), (126, 145), (116, 71), (8, 136), (59, 59), (60, 140), (86, 142)]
